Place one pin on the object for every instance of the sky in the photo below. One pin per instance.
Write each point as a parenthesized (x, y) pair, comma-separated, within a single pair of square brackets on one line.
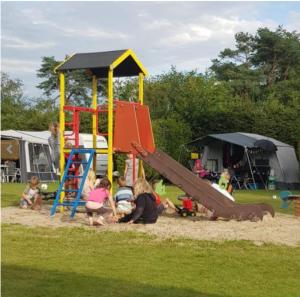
[(187, 35)]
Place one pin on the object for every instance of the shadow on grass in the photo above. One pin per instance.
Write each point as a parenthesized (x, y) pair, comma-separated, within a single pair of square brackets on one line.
[(20, 281)]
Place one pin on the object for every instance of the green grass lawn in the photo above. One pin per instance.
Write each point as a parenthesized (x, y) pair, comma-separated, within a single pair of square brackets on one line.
[(40, 262), (74, 262)]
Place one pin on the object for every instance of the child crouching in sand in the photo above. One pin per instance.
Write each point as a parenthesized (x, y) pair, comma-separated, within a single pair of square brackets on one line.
[(96, 200), (31, 195), (123, 197)]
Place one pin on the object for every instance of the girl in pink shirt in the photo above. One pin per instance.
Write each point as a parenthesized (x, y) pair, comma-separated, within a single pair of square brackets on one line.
[(95, 202)]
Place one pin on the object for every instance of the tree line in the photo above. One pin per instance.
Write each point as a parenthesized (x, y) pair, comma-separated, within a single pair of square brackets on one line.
[(253, 87)]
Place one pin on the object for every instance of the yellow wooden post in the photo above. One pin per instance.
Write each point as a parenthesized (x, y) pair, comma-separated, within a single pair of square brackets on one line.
[(141, 88), (61, 130), (94, 118), (110, 126), (141, 100)]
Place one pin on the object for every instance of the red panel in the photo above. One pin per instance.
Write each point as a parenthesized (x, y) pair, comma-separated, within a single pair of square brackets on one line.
[(145, 128), (132, 125), (126, 127)]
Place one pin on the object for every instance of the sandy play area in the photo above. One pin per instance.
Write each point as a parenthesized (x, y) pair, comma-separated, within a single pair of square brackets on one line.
[(283, 229)]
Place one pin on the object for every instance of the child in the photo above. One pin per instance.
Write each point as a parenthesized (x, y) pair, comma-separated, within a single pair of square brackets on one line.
[(96, 201), (123, 197), (32, 192), (129, 167), (53, 141), (70, 183), (146, 209), (89, 184), (161, 206), (224, 181)]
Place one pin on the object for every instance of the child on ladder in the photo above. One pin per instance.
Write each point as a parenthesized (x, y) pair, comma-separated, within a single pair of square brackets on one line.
[(95, 202)]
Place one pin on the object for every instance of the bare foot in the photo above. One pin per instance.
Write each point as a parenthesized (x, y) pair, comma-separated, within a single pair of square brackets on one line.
[(100, 221)]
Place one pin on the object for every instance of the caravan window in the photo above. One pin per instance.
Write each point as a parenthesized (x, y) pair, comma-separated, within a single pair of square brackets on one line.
[(39, 156), (212, 165)]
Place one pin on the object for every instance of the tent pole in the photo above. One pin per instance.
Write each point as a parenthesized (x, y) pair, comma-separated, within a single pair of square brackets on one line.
[(246, 151)]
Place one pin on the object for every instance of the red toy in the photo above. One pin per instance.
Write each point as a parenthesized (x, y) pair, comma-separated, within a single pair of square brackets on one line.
[(187, 208)]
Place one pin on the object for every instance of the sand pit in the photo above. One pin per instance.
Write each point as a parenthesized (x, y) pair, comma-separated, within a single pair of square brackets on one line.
[(281, 230)]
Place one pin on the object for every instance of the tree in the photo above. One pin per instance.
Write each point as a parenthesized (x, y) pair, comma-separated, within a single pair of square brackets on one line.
[(259, 62), (12, 103), (78, 83), (276, 53)]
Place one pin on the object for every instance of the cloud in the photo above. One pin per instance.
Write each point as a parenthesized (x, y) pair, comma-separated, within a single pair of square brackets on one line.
[(192, 33), (17, 66), (15, 42), (157, 24), (185, 34), (211, 28), (38, 18), (92, 32)]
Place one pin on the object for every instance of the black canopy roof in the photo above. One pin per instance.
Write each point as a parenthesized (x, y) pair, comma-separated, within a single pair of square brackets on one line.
[(100, 62), (248, 140)]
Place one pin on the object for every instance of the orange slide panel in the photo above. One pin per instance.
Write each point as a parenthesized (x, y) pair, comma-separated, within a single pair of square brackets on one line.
[(145, 128), (132, 125)]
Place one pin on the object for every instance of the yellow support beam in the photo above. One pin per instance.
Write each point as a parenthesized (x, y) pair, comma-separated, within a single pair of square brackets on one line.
[(61, 130), (110, 127), (94, 118), (124, 56), (141, 88), (102, 151), (63, 62), (141, 100)]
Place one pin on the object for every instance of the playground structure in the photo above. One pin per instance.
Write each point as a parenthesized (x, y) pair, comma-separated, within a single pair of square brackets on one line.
[(129, 130)]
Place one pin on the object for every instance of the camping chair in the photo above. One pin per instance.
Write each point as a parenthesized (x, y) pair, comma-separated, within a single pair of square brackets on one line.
[(236, 182), (284, 195), (11, 171)]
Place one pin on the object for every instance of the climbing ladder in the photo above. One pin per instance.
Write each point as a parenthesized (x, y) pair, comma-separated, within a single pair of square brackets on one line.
[(73, 160)]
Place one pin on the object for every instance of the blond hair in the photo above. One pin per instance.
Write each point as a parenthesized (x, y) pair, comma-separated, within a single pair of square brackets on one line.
[(91, 176), (226, 174), (34, 181), (141, 186)]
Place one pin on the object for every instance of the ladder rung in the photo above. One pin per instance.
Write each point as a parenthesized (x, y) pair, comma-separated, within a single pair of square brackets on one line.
[(69, 124), (67, 203), (74, 176), (79, 162), (68, 190)]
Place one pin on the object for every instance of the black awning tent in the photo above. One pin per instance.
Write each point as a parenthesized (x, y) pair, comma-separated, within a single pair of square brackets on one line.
[(281, 157)]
